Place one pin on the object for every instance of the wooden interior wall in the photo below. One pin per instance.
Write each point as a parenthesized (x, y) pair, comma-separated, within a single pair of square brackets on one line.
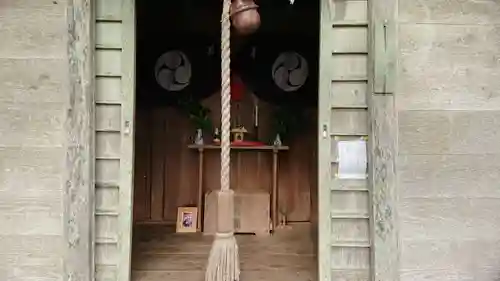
[(166, 171)]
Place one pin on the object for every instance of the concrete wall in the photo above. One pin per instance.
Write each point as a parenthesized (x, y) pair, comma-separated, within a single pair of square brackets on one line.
[(448, 105), (33, 102)]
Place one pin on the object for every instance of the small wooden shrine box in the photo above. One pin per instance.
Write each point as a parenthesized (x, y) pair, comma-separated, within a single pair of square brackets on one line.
[(239, 134), (252, 212)]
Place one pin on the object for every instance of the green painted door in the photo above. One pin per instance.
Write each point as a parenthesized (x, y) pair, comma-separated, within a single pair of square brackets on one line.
[(343, 219), (114, 114)]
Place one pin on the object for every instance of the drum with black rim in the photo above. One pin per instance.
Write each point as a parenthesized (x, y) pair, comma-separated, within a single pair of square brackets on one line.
[(178, 66), (282, 68)]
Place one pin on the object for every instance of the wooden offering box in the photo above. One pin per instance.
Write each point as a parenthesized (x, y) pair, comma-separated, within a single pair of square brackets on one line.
[(252, 213), (250, 198)]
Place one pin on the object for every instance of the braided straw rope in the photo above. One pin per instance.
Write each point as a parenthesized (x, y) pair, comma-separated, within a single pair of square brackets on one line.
[(225, 94), (223, 261)]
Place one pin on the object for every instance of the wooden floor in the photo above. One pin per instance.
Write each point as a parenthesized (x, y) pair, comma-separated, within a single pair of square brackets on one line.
[(287, 255)]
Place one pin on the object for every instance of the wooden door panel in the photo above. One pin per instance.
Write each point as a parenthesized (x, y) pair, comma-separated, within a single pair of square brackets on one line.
[(344, 248)]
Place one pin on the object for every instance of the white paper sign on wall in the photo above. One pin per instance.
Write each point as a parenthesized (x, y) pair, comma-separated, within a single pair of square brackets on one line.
[(352, 160)]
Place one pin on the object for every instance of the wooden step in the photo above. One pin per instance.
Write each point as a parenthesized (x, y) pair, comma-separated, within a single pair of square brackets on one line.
[(339, 215)]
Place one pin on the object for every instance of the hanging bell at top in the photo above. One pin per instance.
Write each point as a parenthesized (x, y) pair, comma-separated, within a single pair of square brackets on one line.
[(245, 17)]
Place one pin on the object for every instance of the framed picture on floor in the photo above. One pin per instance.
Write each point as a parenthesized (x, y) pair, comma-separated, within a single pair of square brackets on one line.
[(186, 219)]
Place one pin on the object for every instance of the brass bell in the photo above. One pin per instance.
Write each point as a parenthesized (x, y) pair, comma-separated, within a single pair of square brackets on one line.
[(245, 17)]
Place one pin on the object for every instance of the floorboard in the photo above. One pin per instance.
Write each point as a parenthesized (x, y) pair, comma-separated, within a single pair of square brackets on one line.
[(159, 254)]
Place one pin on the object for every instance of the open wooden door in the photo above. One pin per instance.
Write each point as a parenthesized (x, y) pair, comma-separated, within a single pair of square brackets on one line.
[(343, 219), (114, 137)]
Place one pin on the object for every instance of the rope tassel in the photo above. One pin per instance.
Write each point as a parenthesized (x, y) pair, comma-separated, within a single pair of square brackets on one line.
[(223, 261)]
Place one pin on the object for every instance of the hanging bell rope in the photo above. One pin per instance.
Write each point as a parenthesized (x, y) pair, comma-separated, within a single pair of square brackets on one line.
[(223, 261)]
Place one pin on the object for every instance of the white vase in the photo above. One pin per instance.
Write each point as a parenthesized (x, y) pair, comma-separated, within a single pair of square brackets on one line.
[(198, 140), (277, 141)]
